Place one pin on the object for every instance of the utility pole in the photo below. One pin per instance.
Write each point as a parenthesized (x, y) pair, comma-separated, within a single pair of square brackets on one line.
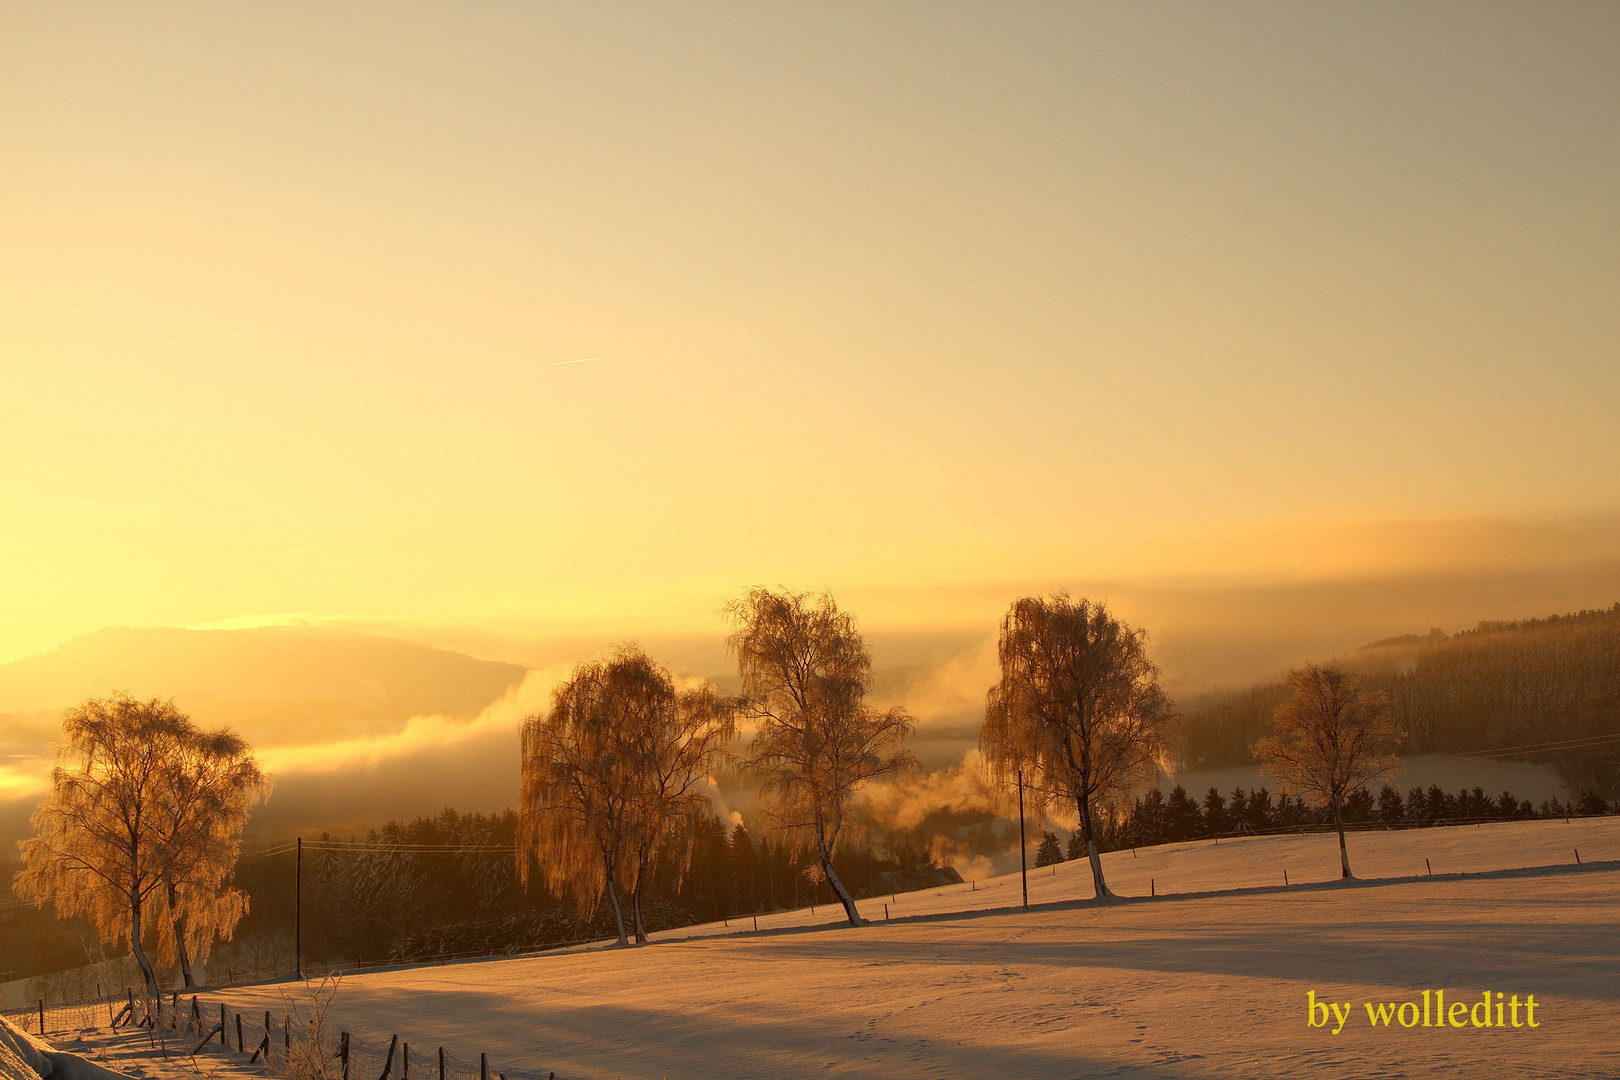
[(1023, 868), (298, 912)]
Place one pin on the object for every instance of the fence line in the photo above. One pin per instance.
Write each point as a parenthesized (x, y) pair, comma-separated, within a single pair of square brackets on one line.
[(42, 1019), (289, 1045)]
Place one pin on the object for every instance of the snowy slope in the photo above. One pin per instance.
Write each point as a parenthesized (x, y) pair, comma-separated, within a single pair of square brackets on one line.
[(1182, 986)]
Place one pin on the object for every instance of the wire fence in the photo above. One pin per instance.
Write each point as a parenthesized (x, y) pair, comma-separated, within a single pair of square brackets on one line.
[(63, 1017), (299, 1044)]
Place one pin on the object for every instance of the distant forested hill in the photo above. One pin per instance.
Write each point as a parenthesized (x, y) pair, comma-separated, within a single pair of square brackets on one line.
[(273, 684), (1499, 686)]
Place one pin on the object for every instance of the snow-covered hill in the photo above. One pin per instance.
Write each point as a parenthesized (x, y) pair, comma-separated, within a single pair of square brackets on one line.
[(1208, 981)]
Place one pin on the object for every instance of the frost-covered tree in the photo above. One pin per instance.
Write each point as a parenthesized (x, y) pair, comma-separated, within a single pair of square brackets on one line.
[(622, 755), (1049, 852), (679, 738), (577, 807), (1330, 736), (213, 782), (805, 673), (1078, 709), (144, 815)]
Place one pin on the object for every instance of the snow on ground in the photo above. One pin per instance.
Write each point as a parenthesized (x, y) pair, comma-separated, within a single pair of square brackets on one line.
[(138, 1053), (1198, 983), (141, 1054)]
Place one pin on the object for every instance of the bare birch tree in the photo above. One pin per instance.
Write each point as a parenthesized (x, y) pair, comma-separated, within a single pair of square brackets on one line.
[(575, 804), (1329, 737), (621, 755), (685, 736), (146, 820), (805, 672), (212, 783), (1078, 709)]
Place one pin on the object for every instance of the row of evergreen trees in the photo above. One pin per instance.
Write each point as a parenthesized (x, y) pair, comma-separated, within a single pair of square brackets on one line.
[(1155, 818)]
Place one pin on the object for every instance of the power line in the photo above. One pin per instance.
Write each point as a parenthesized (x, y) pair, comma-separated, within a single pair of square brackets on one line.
[(1543, 748), (380, 846), (319, 845), (265, 853)]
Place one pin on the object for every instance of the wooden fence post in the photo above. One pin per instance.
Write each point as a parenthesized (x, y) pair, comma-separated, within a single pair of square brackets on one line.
[(343, 1052), (441, 1063), (264, 1044), (388, 1065), (42, 1018), (223, 1041), (483, 1066), (241, 1047)]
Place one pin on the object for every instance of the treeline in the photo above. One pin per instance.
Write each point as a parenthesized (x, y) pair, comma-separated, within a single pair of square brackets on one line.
[(448, 885), (1500, 686), (1156, 818)]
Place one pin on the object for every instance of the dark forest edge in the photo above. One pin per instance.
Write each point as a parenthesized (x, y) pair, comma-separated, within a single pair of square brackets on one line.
[(1498, 686), (367, 905)]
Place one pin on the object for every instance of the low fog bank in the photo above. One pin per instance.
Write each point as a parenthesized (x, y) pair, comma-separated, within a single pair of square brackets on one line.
[(348, 776)]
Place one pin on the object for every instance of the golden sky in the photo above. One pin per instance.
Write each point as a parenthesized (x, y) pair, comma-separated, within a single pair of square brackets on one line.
[(907, 300)]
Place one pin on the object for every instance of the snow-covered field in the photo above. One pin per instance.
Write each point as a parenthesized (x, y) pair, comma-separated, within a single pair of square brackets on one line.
[(1210, 980)]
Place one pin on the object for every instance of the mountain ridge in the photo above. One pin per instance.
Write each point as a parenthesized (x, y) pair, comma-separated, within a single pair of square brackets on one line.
[(272, 684)]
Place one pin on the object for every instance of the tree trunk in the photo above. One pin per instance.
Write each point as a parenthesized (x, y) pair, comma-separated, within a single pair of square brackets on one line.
[(1083, 768), (1344, 858), (639, 927), (136, 948), (618, 912), (837, 886), (181, 955), (1099, 886), (643, 864)]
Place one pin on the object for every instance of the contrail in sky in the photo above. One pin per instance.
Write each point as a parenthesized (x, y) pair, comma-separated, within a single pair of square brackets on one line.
[(585, 360)]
